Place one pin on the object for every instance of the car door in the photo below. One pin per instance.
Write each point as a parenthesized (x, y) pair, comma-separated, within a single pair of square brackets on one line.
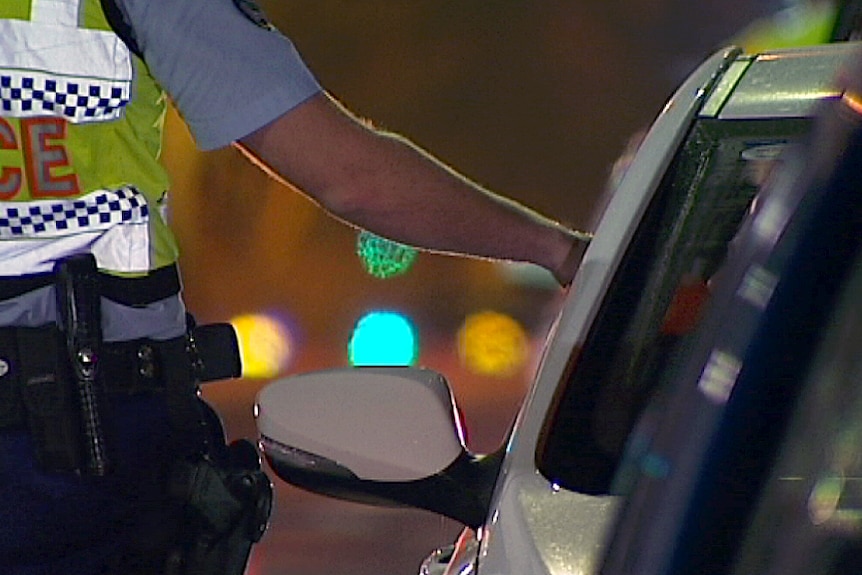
[(753, 465)]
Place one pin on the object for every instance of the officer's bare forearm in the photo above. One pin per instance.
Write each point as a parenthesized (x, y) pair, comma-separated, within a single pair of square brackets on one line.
[(383, 183)]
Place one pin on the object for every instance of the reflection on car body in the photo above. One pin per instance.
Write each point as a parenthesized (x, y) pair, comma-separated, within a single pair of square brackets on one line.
[(544, 501)]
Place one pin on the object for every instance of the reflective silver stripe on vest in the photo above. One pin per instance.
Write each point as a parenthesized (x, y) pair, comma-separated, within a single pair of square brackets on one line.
[(53, 68), (61, 12), (112, 224)]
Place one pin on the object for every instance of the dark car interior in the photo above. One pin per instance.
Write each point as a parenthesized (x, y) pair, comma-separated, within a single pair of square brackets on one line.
[(658, 295)]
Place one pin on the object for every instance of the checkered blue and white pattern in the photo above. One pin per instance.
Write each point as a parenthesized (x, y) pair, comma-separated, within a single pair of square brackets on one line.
[(27, 94), (97, 211)]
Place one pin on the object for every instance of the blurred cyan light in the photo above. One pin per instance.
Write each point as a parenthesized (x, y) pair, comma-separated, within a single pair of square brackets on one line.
[(383, 338), (383, 258), (493, 343), (265, 344)]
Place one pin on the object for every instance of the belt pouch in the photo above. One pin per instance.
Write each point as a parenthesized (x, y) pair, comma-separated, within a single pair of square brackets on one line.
[(49, 400), (185, 414)]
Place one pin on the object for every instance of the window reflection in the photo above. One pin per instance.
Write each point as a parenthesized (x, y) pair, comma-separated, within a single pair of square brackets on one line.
[(809, 520)]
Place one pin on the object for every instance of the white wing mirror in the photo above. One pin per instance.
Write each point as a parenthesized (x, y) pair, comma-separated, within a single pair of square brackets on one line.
[(380, 435)]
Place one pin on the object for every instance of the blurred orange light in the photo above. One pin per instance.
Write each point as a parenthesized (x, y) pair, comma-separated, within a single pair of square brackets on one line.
[(492, 343)]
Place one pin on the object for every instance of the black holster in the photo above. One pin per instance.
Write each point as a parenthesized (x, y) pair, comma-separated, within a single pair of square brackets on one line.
[(226, 496), (62, 379), (228, 504), (62, 375), (66, 444)]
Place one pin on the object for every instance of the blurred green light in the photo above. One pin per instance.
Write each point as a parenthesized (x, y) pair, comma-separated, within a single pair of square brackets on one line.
[(383, 258), (383, 338)]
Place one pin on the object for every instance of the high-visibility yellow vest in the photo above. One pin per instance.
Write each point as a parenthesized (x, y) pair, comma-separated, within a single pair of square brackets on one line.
[(80, 137)]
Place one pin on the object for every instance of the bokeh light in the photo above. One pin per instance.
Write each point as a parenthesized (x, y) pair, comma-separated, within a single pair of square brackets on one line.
[(493, 343), (383, 338), (265, 343), (801, 24), (383, 258)]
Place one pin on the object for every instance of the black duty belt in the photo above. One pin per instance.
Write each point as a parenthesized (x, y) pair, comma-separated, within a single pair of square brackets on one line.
[(32, 355), (133, 291)]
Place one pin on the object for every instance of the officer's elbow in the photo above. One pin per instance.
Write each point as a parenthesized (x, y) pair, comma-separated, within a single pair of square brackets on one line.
[(349, 197)]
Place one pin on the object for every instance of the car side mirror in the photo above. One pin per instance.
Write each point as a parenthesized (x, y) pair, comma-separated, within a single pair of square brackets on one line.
[(378, 435)]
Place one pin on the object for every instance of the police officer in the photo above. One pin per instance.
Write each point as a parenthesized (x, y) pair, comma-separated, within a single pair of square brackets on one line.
[(102, 435)]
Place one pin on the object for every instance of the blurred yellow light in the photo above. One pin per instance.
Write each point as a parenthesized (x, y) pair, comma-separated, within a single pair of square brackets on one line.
[(264, 344), (802, 24), (492, 343)]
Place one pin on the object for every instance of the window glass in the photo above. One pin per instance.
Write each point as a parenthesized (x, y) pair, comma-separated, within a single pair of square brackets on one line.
[(657, 296)]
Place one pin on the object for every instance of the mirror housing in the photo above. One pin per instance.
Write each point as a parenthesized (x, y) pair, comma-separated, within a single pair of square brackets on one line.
[(387, 436)]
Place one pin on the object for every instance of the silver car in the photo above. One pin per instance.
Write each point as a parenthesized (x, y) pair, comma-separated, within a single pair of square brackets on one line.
[(544, 502)]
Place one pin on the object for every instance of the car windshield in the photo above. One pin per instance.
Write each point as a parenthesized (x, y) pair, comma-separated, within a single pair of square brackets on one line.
[(656, 295)]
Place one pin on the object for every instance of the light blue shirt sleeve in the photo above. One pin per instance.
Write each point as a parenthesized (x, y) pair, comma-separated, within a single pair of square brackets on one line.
[(227, 75)]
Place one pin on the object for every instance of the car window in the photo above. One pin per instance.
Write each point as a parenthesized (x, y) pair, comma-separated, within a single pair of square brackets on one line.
[(783, 473), (719, 484), (657, 295)]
